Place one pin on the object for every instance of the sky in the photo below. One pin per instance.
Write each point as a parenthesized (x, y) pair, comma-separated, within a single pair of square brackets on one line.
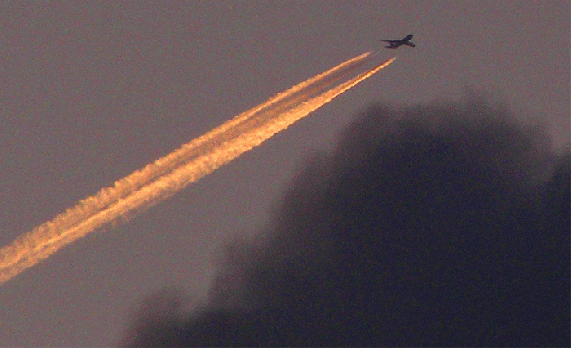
[(96, 90)]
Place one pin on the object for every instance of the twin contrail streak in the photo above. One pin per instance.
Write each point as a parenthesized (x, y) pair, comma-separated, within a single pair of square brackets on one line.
[(173, 172)]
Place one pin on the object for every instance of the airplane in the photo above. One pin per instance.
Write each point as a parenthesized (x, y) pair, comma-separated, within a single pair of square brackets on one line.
[(393, 44)]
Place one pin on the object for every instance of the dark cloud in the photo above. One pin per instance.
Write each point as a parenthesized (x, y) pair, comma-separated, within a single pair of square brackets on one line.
[(440, 225)]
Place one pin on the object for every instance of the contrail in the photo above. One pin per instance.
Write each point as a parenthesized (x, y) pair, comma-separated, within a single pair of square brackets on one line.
[(171, 173)]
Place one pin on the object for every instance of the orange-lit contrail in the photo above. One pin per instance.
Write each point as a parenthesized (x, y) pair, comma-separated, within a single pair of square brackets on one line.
[(171, 173)]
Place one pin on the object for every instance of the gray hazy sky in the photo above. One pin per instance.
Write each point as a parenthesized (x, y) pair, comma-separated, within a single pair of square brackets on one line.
[(94, 90)]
